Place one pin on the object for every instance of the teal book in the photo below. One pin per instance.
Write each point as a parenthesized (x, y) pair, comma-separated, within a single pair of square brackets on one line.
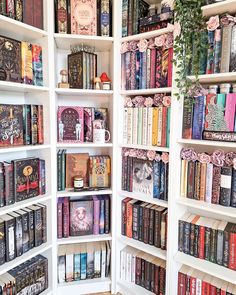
[(83, 266), (221, 99), (76, 267), (63, 170), (168, 127)]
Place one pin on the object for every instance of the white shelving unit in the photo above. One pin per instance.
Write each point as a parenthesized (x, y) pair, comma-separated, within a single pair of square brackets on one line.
[(55, 49)]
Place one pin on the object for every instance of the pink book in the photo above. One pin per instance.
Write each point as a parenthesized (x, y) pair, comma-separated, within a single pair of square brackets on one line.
[(230, 110), (70, 124), (84, 17), (96, 213), (66, 217), (153, 68)]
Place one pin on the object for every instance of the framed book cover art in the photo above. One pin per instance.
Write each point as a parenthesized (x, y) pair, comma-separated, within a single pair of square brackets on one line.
[(81, 218), (143, 177), (84, 17), (70, 124), (11, 125)]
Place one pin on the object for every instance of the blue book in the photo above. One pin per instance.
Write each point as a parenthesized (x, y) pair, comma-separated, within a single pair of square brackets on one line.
[(102, 216), (162, 186), (137, 77), (77, 267), (198, 117), (125, 6), (144, 70), (140, 70), (156, 179), (83, 266)]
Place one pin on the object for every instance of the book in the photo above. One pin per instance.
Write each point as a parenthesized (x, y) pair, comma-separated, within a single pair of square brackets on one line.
[(62, 16), (26, 63)]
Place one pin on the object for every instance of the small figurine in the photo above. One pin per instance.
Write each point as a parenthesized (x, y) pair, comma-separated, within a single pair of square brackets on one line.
[(63, 83), (97, 82), (106, 81)]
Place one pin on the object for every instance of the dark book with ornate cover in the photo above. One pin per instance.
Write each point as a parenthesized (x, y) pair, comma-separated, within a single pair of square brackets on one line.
[(10, 60), (44, 222), (157, 228), (11, 125), (37, 65), (62, 16), (38, 224), (28, 12), (34, 124), (219, 136), (27, 124), (3, 7), (81, 218), (146, 220), (124, 215), (105, 19), (42, 177), (25, 230), (187, 118), (9, 184), (66, 217), (19, 10), (2, 185), (30, 226), (151, 225), (197, 181), (18, 233), (2, 242), (10, 8), (38, 13), (9, 237), (233, 192), (198, 117), (107, 214), (225, 186), (190, 180), (135, 226), (59, 218), (26, 178)]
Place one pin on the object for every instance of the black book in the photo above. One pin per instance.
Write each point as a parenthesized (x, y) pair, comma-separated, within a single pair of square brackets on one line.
[(2, 242), (38, 224), (25, 229), (18, 233), (135, 225), (9, 236), (233, 190), (44, 222), (30, 226), (107, 214), (157, 226), (225, 186), (2, 185), (141, 221), (151, 225)]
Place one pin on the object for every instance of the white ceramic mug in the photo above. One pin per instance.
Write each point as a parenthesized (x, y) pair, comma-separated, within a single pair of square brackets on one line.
[(99, 136)]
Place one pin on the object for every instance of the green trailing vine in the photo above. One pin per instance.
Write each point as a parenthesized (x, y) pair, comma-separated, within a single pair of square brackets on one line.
[(188, 15)]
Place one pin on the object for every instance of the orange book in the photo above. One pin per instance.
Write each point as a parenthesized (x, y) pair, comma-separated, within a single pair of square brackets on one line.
[(129, 215)]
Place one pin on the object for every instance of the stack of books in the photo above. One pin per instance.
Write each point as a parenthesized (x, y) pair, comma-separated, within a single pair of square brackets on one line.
[(147, 63), (83, 261), (209, 239), (143, 269), (144, 222), (209, 177), (145, 172), (86, 216)]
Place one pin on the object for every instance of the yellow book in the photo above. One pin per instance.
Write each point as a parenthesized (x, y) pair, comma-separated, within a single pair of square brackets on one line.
[(184, 173), (26, 66), (154, 126)]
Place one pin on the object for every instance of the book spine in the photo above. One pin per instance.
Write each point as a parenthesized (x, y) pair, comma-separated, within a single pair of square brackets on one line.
[(40, 125), (153, 68), (138, 271), (145, 125), (138, 65), (135, 225), (210, 53), (207, 243), (186, 237), (62, 17), (187, 118), (38, 227), (190, 179), (42, 177), (27, 124), (146, 220), (181, 235), (9, 184), (225, 52), (191, 242), (107, 215), (130, 26), (2, 186), (10, 240), (140, 125), (129, 216), (149, 127), (233, 192), (2, 244), (10, 8), (219, 136), (156, 179), (209, 182), (213, 246), (164, 125), (229, 114), (159, 128), (102, 217), (157, 279), (203, 172), (148, 82), (158, 68), (226, 248), (44, 223), (37, 65), (105, 18), (66, 217), (164, 67), (220, 247), (196, 241), (141, 224), (133, 71), (129, 126), (62, 168), (59, 219), (202, 242), (168, 127), (96, 212), (3, 7), (135, 126), (198, 117), (154, 126), (26, 68), (144, 71), (211, 97), (217, 50), (170, 67), (232, 250), (38, 14), (18, 10), (216, 185), (34, 124), (203, 54), (197, 181), (233, 50), (125, 125), (225, 186)]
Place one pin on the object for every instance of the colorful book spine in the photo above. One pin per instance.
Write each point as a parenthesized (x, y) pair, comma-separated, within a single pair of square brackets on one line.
[(210, 53), (225, 186), (144, 71), (158, 67), (229, 114), (153, 68), (62, 15), (149, 127), (133, 71), (96, 213), (198, 117), (233, 193), (170, 67), (159, 126), (168, 127), (26, 54), (233, 50), (165, 67), (156, 179), (203, 54), (154, 126), (66, 217), (217, 50), (37, 65), (225, 52), (105, 18), (148, 72), (216, 185), (187, 118)]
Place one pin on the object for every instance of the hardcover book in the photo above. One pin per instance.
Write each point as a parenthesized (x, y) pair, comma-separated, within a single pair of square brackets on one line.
[(70, 124), (62, 21), (26, 63), (81, 218), (37, 64), (88, 124)]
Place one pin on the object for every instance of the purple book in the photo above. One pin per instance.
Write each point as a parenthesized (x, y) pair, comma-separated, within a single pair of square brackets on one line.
[(96, 213), (198, 117), (88, 124)]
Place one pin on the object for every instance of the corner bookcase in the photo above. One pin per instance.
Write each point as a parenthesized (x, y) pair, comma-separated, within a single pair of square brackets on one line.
[(55, 50)]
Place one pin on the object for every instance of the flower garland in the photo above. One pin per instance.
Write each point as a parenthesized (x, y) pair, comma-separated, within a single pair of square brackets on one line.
[(218, 158), (146, 155), (158, 100)]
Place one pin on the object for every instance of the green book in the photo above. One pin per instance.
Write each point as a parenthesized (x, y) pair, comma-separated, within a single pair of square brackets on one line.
[(168, 127), (63, 170)]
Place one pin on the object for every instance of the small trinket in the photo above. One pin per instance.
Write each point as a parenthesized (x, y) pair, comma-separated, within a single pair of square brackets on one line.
[(63, 83), (78, 183)]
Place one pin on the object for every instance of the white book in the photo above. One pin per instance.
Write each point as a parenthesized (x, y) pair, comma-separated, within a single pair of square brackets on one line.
[(130, 126), (103, 260), (108, 258), (135, 126), (150, 120), (145, 125), (209, 179), (128, 266), (69, 267), (125, 122), (159, 126), (199, 278), (61, 262), (123, 264), (97, 261), (140, 125)]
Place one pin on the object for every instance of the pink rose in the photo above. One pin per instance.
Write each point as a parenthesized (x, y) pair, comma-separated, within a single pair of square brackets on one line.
[(169, 41), (213, 23), (125, 152), (160, 40), (133, 45), (229, 158), (188, 154), (142, 45), (124, 47), (158, 158), (141, 154), (158, 99), (167, 101), (138, 101), (204, 158), (218, 158), (151, 155), (234, 163), (165, 158), (151, 43), (133, 153), (128, 102), (148, 102)]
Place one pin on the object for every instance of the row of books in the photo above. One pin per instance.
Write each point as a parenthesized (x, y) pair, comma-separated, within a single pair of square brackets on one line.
[(219, 54), (30, 277), (147, 63), (209, 177), (143, 269), (209, 239), (148, 126), (86, 216), (75, 124), (21, 125), (82, 68), (192, 281), (94, 170), (93, 17), (210, 117), (144, 222), (21, 231), (145, 172), (28, 11), (21, 179), (21, 62), (83, 261)]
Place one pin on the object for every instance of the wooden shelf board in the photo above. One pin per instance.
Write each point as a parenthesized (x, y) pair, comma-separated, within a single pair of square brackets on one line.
[(143, 247), (26, 256), (65, 41), (23, 88), (148, 35), (17, 30), (143, 147), (144, 198), (212, 208), (69, 193), (146, 91), (23, 204), (84, 239), (208, 267), (83, 145), (131, 288), (208, 143), (85, 287), (83, 92), (219, 8), (216, 78), (23, 148)]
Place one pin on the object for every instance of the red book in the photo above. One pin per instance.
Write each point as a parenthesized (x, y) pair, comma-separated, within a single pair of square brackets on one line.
[(232, 248), (181, 284), (202, 240), (129, 214), (213, 290), (153, 68), (28, 15), (66, 217), (38, 13), (209, 98), (40, 125), (170, 68), (193, 286), (205, 288), (164, 125), (124, 216), (162, 280), (156, 281), (59, 218)]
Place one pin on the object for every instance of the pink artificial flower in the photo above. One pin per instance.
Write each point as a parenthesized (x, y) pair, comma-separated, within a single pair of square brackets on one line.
[(158, 99), (167, 101), (151, 155), (133, 45), (169, 41), (229, 158), (188, 154), (160, 40), (148, 102), (204, 158), (142, 45), (213, 23), (128, 102), (218, 158), (133, 153), (124, 47)]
